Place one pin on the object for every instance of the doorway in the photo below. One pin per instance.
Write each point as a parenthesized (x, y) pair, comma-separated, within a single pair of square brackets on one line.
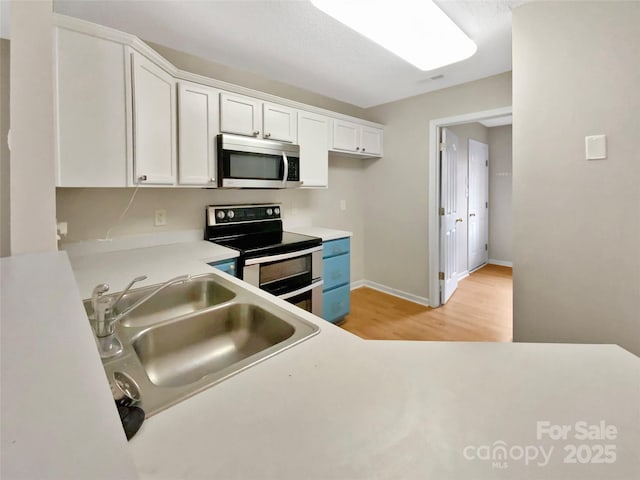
[(443, 243)]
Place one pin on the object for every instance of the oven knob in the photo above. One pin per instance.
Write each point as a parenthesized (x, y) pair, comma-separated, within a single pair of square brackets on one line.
[(276, 211), (269, 211), (230, 214), (220, 214)]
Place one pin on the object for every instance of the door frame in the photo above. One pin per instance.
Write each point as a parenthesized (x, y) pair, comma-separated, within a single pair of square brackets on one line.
[(433, 234)]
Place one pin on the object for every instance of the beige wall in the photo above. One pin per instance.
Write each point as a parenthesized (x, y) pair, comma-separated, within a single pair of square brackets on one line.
[(194, 64), (479, 132), (396, 216), (91, 212), (576, 222), (500, 187), (32, 206), (5, 238)]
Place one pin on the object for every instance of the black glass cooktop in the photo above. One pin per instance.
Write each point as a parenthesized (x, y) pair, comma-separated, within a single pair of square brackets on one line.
[(271, 243)]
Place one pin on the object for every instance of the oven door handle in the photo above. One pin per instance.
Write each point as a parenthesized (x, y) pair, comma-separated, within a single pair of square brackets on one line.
[(286, 169), (316, 284), (283, 256)]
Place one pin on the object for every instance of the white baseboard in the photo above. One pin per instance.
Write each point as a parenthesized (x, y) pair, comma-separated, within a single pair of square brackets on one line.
[(391, 291), (500, 262), (463, 275)]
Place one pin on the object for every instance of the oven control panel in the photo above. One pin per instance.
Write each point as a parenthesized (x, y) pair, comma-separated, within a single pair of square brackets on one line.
[(225, 214)]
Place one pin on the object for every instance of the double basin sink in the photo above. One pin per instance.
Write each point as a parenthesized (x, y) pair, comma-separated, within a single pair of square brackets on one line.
[(193, 335)]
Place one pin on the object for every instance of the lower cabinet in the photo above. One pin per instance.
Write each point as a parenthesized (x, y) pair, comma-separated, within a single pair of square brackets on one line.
[(227, 266), (336, 295)]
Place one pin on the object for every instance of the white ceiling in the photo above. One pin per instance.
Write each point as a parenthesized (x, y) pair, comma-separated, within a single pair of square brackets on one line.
[(293, 42)]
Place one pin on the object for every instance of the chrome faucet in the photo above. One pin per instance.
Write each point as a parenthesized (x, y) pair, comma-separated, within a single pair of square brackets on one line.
[(105, 319)]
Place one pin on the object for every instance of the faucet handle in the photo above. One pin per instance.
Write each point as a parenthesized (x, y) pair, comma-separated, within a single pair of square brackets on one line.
[(99, 290)]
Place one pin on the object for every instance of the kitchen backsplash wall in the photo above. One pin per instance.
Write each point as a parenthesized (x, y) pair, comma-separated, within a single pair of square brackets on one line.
[(92, 212)]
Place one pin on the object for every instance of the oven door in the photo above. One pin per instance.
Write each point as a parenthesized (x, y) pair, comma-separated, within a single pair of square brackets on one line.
[(294, 276), (308, 298)]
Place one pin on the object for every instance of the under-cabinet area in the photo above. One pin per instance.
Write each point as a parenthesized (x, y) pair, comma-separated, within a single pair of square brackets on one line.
[(127, 117)]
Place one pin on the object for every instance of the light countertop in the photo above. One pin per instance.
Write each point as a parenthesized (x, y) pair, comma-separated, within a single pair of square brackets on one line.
[(325, 233), (58, 416), (338, 407), (158, 263)]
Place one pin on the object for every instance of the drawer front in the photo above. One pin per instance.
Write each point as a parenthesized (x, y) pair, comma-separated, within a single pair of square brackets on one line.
[(335, 247), (336, 271), (227, 266), (336, 303)]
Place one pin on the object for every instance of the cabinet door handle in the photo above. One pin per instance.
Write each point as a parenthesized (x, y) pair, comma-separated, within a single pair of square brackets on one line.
[(357, 149), (212, 180), (142, 178), (267, 135), (256, 133)]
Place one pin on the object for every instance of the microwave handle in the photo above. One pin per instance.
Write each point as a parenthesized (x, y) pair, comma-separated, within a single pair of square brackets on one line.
[(286, 169)]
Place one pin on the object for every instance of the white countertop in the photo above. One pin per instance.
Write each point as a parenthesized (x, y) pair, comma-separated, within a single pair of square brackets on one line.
[(325, 233), (338, 407), (158, 263), (58, 416)]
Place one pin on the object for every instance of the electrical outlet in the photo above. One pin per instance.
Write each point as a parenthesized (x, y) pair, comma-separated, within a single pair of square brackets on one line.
[(160, 218), (343, 205)]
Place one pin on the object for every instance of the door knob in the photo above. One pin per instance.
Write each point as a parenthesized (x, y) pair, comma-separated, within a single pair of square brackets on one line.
[(458, 220)]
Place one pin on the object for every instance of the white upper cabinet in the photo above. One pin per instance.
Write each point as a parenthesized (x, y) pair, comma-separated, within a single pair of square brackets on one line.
[(313, 138), (346, 136), (197, 130), (280, 123), (370, 140), (154, 123), (353, 138), (90, 111), (240, 115)]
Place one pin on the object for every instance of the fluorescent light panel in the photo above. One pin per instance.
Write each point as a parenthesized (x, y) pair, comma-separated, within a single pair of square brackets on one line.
[(415, 30)]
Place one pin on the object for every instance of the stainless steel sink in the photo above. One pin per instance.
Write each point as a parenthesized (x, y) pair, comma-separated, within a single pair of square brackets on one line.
[(181, 299), (193, 335), (182, 352)]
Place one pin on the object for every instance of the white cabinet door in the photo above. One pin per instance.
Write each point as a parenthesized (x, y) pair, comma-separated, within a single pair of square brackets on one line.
[(346, 136), (370, 140), (90, 111), (154, 123), (240, 115), (279, 122), (197, 129), (313, 138)]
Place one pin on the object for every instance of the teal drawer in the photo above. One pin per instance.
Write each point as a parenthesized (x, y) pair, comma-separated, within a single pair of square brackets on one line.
[(227, 266), (336, 271), (335, 247), (336, 303)]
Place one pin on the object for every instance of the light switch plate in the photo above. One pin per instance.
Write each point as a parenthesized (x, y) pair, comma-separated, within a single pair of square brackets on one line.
[(595, 147)]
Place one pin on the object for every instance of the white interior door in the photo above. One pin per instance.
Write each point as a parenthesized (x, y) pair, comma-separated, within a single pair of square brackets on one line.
[(478, 204), (448, 214)]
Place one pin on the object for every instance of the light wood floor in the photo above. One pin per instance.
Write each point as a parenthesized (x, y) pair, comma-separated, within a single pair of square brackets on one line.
[(481, 309)]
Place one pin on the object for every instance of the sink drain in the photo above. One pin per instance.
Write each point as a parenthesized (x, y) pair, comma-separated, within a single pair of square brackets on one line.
[(125, 386)]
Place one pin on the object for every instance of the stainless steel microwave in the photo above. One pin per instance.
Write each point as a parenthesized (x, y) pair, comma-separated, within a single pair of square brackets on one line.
[(245, 162)]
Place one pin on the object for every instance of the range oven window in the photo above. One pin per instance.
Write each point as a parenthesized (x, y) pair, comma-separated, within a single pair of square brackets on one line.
[(286, 275)]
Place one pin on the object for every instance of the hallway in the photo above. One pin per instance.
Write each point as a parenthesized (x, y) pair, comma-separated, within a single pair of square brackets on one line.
[(480, 310)]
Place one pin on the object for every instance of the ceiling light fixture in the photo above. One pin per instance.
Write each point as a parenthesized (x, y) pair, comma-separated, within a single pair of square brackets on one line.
[(415, 30)]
